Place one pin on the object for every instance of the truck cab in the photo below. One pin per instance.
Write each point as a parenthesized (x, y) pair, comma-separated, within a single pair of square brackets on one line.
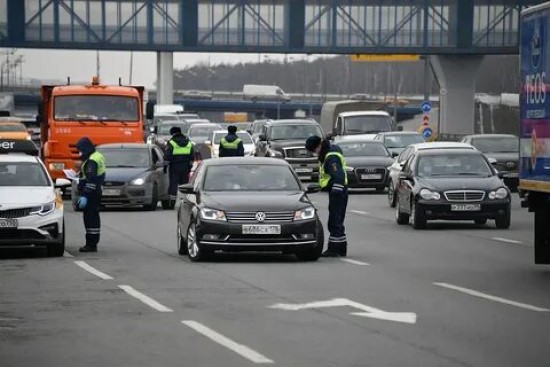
[(362, 124)]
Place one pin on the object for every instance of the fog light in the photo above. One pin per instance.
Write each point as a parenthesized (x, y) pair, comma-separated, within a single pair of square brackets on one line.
[(306, 236), (51, 229), (211, 237)]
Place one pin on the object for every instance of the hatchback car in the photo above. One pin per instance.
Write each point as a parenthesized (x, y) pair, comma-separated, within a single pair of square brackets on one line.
[(247, 204), (451, 184)]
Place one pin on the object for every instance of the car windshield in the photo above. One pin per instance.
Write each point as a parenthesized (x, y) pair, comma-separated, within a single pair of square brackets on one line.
[(402, 141), (294, 132), (367, 124), (453, 165), (202, 131), (245, 137), (157, 120), (97, 108), (164, 128), (497, 145), (12, 128), (126, 158), (257, 127), (22, 174), (248, 177), (362, 149)]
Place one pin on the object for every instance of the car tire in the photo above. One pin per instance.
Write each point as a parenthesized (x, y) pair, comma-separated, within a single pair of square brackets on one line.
[(418, 218), (154, 200), (181, 242), (380, 189), (57, 249), (480, 221), (503, 221), (195, 251), (391, 195), (313, 254), (400, 217)]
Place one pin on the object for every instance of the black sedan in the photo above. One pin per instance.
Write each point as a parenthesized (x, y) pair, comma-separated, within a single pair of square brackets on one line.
[(452, 185), (247, 204), (134, 176), (367, 163)]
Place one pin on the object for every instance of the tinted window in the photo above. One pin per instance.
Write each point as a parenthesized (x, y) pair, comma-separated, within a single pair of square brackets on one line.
[(402, 141), (404, 155), (97, 108), (126, 158), (22, 174), (358, 149), (242, 135), (250, 178), (12, 128), (367, 124), (294, 132), (453, 165), (497, 145)]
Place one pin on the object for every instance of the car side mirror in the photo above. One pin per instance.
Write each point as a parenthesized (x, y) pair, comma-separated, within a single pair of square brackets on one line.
[(262, 137), (405, 176), (500, 175), (186, 189), (149, 110), (492, 160), (394, 154), (152, 129), (62, 182), (313, 188)]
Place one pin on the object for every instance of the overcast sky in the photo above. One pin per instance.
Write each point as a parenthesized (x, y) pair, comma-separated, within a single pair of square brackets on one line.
[(81, 65)]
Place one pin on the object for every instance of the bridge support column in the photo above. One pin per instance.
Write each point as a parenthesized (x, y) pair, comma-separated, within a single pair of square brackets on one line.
[(165, 78), (456, 75)]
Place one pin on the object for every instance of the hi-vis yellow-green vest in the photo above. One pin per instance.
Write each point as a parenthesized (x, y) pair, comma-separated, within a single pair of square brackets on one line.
[(324, 178), (177, 150), (99, 160)]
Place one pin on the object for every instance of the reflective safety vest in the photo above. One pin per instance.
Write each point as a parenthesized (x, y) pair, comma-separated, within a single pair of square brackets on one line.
[(324, 178), (177, 150), (230, 145), (99, 160)]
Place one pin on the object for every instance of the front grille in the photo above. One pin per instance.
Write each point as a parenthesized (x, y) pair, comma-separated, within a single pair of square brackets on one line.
[(113, 183), (250, 217), (371, 170), (300, 152), (255, 238), (20, 234), (15, 213), (464, 195)]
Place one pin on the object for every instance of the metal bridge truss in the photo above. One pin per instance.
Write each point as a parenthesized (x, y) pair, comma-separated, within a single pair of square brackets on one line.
[(277, 26)]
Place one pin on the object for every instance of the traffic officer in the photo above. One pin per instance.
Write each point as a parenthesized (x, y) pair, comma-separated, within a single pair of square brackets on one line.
[(91, 178), (231, 145), (332, 178), (179, 156)]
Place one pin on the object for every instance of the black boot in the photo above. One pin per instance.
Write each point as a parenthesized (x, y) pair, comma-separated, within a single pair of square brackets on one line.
[(88, 249), (331, 251), (343, 249)]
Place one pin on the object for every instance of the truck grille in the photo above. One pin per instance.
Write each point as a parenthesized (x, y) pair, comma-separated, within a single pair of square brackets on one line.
[(15, 213), (299, 152), (464, 195), (250, 217)]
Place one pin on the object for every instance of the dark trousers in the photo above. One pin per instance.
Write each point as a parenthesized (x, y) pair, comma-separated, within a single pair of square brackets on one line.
[(92, 221), (337, 205), (179, 175)]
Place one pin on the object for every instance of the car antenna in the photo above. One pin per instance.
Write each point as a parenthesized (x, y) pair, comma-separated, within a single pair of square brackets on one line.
[(68, 80), (119, 81)]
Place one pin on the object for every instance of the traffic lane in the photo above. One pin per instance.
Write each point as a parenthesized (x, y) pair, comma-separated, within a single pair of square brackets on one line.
[(54, 314)]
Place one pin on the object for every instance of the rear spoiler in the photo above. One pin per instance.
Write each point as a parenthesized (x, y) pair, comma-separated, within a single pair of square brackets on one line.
[(18, 146)]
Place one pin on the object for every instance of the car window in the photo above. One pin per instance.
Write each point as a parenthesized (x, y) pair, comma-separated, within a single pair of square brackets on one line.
[(449, 165), (164, 128), (248, 177), (294, 132), (408, 164), (22, 174), (126, 158), (497, 145), (402, 141), (367, 124), (12, 128), (404, 155), (363, 149)]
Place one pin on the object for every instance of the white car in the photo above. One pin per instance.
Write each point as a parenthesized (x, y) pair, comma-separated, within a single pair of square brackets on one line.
[(217, 136), (31, 208), (399, 162)]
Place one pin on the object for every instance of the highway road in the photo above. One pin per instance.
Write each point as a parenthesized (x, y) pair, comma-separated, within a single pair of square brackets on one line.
[(455, 294)]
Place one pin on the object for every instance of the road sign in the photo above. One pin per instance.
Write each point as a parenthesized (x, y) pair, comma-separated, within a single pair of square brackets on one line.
[(366, 311), (426, 106), (383, 58), (425, 119), (427, 133)]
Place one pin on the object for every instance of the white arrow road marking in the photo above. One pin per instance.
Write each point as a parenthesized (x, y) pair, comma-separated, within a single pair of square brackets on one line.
[(368, 311)]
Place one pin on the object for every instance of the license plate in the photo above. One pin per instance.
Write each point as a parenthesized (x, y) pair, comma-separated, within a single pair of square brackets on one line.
[(8, 223), (465, 207), (303, 170), (111, 192), (261, 229), (511, 175), (371, 176)]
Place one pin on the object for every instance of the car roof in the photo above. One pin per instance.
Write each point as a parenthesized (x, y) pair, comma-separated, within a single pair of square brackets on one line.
[(225, 132), (442, 145), (449, 152), (18, 157), (359, 140), (398, 133), (124, 146), (363, 113), (172, 122), (199, 121), (292, 122), (244, 160), (496, 136), (202, 124)]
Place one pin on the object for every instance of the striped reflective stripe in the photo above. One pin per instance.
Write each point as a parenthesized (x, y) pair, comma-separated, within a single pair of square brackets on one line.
[(337, 239), (173, 197), (93, 230)]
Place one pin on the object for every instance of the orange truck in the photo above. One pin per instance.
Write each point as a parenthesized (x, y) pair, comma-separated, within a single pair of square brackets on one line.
[(103, 113)]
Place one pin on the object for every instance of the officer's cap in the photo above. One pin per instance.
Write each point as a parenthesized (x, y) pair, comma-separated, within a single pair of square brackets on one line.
[(313, 142), (232, 129), (175, 130)]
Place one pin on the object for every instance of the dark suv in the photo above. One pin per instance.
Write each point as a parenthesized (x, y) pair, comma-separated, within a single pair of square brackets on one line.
[(287, 139)]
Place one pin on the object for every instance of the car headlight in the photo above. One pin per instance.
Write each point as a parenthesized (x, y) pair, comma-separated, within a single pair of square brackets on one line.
[(500, 193), (56, 166), (349, 169), (28, 137), (212, 214), (275, 154), (137, 181), (43, 209), (427, 194), (306, 213)]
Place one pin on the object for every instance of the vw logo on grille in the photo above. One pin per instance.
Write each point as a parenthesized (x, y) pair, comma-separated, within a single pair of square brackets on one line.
[(260, 216), (510, 164)]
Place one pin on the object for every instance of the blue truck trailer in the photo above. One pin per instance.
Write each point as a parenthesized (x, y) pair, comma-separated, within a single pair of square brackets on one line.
[(535, 123)]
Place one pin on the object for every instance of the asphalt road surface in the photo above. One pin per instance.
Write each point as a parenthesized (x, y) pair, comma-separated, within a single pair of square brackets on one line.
[(455, 294)]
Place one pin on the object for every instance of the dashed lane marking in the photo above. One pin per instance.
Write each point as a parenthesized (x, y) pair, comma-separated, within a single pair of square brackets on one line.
[(359, 212), (355, 262), (492, 298), (240, 349), (145, 299), (506, 240), (92, 270)]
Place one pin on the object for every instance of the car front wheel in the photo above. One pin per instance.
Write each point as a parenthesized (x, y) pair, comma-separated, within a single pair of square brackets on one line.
[(391, 195), (400, 217), (503, 221), (57, 249), (181, 242), (194, 250), (418, 217), (313, 254)]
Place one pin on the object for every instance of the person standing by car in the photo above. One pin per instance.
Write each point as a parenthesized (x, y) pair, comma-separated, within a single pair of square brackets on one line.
[(332, 178), (179, 157), (231, 145), (91, 178)]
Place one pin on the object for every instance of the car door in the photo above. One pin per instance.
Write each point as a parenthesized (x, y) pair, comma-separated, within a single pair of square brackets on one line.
[(162, 177), (397, 165), (188, 202), (404, 187)]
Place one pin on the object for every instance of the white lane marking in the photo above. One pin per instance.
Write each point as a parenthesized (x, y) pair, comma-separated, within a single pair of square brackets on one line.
[(492, 298), (367, 311), (67, 254), (92, 270), (145, 299), (355, 262), (506, 240), (359, 212), (240, 349)]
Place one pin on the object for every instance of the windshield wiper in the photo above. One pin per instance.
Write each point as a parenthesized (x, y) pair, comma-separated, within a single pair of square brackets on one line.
[(84, 120), (113, 120)]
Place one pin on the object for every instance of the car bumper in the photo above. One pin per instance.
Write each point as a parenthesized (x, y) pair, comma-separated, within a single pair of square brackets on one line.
[(442, 210), (228, 236), (34, 230)]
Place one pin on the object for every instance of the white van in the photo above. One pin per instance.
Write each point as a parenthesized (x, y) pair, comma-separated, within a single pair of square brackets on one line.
[(264, 92), (168, 109)]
